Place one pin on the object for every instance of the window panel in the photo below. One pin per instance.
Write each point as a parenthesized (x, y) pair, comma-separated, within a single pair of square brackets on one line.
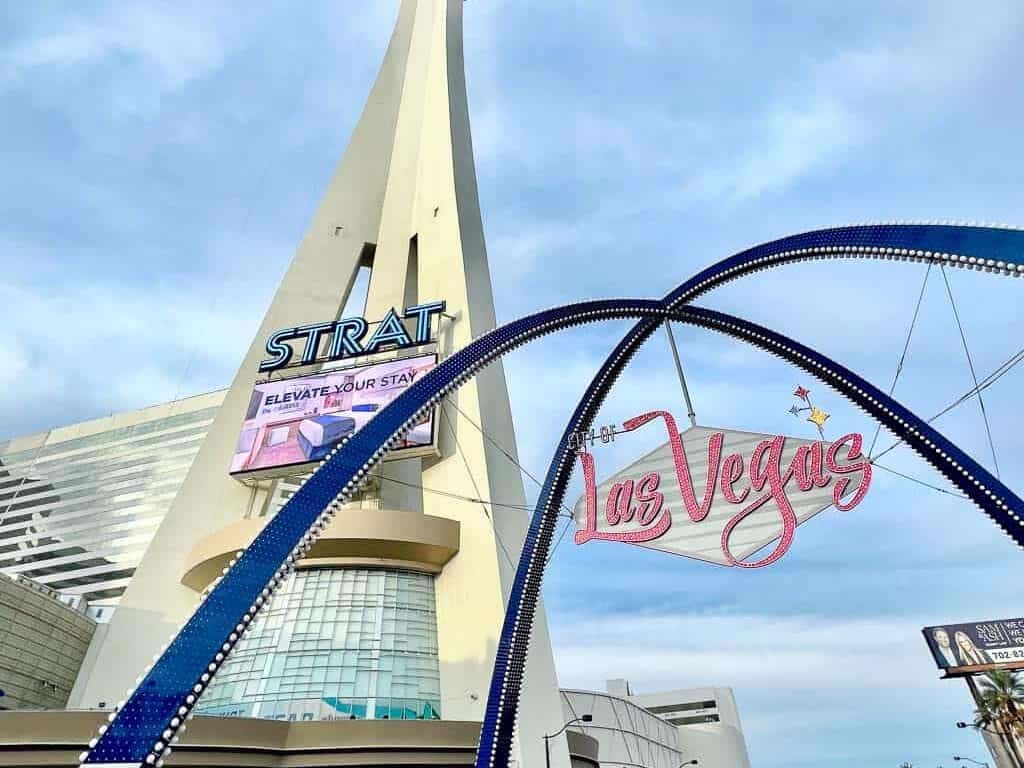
[(77, 514), (356, 643)]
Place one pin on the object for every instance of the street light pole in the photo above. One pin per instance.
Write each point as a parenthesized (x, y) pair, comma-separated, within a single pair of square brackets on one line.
[(958, 758), (1004, 741), (547, 738)]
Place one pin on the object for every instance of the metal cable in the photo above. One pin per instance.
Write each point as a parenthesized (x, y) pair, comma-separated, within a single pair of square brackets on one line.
[(987, 382), (974, 376), (906, 347), (450, 495), (494, 442), (919, 482), (524, 470), (476, 488), (507, 454), (561, 536)]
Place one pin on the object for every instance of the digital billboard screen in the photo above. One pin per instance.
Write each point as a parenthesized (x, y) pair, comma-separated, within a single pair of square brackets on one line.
[(986, 644), (296, 422)]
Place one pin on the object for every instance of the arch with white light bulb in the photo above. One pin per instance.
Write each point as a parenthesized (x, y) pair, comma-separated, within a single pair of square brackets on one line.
[(143, 727)]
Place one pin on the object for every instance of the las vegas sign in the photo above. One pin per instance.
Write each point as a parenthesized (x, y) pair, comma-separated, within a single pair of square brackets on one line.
[(720, 495)]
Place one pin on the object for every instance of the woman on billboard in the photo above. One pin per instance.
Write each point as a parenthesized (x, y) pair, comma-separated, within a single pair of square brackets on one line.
[(969, 652)]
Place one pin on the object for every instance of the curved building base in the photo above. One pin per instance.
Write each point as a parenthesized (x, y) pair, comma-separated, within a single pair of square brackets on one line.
[(31, 739), (384, 538), (583, 750)]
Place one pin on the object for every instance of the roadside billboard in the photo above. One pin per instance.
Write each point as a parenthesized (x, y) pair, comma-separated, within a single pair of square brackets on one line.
[(292, 423), (977, 647)]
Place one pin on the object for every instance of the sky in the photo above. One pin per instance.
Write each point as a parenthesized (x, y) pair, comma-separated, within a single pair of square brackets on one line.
[(161, 162)]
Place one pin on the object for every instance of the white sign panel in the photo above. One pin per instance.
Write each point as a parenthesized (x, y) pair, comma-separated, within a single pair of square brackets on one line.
[(720, 495)]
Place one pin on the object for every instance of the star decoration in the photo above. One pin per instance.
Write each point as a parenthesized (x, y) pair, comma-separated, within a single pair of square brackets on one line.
[(818, 417), (815, 415)]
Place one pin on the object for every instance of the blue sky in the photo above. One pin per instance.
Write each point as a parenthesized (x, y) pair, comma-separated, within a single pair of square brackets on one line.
[(161, 162)]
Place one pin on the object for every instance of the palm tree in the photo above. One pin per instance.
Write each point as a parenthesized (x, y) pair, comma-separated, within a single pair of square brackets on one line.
[(1006, 690), (1001, 708), (986, 719)]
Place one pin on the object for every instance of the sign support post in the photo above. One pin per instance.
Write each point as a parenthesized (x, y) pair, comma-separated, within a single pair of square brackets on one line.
[(679, 370)]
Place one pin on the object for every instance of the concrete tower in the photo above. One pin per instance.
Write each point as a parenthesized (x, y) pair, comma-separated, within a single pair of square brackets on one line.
[(404, 202)]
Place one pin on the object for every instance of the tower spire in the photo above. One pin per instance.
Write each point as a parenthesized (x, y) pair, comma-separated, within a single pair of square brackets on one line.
[(403, 201)]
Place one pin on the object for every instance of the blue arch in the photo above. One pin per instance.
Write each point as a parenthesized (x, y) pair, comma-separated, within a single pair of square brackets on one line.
[(988, 493), (989, 249), (141, 729)]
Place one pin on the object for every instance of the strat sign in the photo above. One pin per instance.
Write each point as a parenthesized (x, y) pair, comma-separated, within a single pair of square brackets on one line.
[(347, 335), (720, 495)]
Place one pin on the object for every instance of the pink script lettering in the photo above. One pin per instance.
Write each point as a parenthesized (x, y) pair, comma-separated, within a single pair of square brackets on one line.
[(747, 485)]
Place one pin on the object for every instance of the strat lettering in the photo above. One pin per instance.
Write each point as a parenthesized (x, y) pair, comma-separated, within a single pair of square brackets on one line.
[(347, 337), (747, 484)]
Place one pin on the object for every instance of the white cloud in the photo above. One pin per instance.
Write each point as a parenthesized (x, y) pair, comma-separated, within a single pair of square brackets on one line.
[(789, 143), (801, 682), (659, 28), (524, 249), (582, 177), (179, 45), (96, 348), (680, 650), (14, 362), (844, 101)]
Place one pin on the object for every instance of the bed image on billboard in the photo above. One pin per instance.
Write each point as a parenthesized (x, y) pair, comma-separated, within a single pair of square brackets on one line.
[(295, 422)]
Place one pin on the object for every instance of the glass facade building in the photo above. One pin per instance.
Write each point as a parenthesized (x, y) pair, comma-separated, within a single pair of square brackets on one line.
[(337, 643), (79, 505)]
